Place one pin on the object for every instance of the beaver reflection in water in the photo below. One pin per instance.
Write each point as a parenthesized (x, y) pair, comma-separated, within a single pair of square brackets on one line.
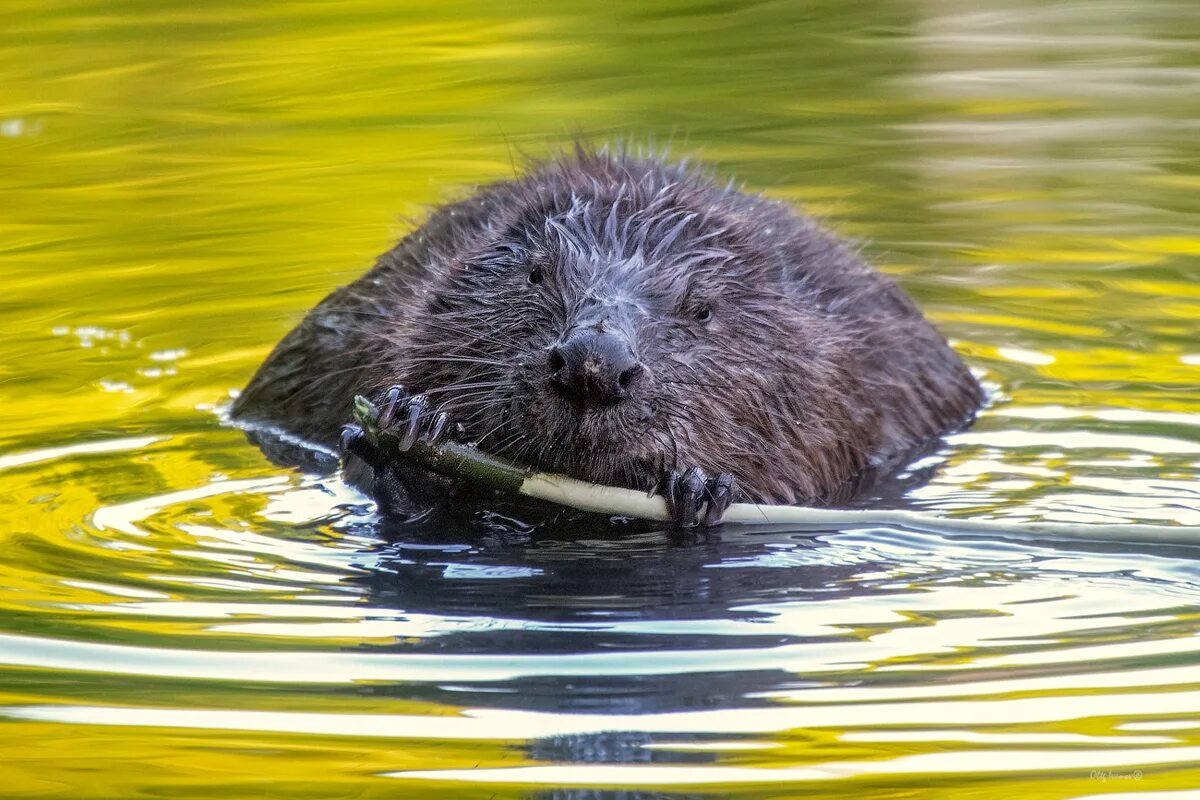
[(628, 322)]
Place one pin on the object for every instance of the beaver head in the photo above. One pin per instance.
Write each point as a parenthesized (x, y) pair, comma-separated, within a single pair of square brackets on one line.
[(617, 318)]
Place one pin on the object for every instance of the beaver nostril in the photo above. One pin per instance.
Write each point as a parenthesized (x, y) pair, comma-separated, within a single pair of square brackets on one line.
[(627, 377)]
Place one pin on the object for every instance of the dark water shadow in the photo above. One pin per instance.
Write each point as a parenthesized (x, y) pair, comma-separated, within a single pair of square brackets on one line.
[(570, 584)]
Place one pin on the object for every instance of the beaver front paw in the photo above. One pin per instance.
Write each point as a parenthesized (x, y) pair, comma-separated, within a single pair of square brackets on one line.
[(368, 468), (409, 419), (694, 499)]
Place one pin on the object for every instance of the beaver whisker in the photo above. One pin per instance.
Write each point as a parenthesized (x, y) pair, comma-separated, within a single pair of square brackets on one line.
[(478, 412), (466, 344), (465, 359), (472, 410), (299, 368), (456, 387), (475, 335), (756, 398), (477, 403), (313, 384), (481, 439)]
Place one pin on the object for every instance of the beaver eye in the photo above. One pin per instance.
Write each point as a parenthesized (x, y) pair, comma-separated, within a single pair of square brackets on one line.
[(535, 276), (703, 313)]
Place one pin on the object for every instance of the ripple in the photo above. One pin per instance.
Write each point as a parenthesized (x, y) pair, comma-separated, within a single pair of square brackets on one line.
[(27, 457), (512, 725), (181, 618)]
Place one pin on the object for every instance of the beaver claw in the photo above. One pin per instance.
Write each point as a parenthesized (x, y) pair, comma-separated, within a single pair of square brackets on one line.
[(694, 499), (354, 442), (409, 419), (412, 419)]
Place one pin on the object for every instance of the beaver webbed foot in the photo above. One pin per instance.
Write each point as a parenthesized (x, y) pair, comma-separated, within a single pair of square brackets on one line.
[(410, 419), (694, 499)]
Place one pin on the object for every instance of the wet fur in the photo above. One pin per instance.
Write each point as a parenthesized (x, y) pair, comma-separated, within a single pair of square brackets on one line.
[(812, 370)]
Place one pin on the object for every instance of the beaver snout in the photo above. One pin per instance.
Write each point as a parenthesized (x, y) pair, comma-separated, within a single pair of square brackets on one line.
[(594, 368)]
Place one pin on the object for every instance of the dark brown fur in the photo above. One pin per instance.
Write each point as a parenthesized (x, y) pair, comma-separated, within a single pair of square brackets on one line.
[(811, 369)]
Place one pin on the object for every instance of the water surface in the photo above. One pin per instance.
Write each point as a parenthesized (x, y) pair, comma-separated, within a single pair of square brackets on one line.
[(180, 618)]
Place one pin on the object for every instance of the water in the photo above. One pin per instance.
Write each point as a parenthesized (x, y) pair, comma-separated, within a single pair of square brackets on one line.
[(179, 618)]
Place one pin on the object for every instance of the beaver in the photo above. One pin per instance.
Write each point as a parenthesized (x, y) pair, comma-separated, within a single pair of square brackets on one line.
[(630, 321)]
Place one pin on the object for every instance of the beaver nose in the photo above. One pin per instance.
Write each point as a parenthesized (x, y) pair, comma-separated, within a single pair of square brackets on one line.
[(594, 368)]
